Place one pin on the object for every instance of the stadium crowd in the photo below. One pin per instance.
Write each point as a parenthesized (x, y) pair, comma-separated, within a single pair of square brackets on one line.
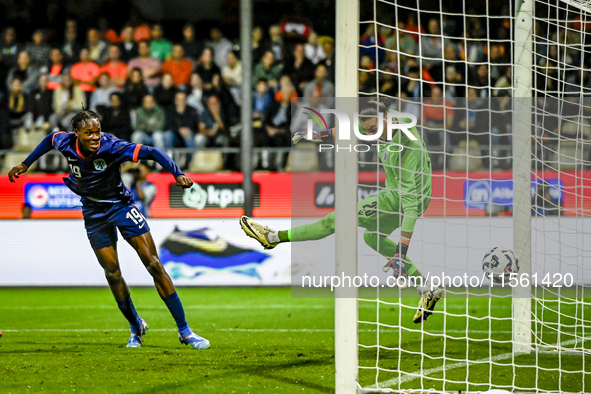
[(150, 90), (186, 94)]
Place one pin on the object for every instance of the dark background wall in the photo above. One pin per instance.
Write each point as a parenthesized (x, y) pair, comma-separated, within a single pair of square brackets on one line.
[(27, 15)]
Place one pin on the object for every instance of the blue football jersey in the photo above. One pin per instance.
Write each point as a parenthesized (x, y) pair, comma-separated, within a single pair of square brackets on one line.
[(96, 177)]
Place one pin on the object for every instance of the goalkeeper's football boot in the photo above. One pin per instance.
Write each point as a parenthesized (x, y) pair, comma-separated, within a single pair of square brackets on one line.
[(257, 231), (195, 341), (135, 340), (427, 303)]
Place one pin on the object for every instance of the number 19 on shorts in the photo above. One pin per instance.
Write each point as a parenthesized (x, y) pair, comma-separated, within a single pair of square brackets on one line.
[(136, 216)]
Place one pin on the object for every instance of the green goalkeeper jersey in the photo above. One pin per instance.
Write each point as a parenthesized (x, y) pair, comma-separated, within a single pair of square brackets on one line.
[(408, 173)]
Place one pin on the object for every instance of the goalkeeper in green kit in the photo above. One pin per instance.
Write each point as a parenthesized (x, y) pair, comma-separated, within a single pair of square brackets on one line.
[(406, 196)]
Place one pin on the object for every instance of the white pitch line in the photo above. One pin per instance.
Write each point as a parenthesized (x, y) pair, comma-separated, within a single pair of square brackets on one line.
[(422, 373), (213, 329), (223, 306)]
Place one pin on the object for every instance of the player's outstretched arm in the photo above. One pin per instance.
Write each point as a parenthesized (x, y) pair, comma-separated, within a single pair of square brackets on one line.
[(151, 153), (44, 146)]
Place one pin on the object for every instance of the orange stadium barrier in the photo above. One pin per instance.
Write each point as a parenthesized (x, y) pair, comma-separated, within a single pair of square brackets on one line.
[(220, 195)]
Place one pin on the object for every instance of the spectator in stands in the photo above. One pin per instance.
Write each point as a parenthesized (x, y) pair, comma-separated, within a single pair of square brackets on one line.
[(299, 68), (55, 69), (231, 109), (412, 85), (499, 61), (71, 48), (179, 67), (322, 85), (116, 119), (149, 125), (128, 47), (313, 49), (97, 48), (101, 97), (368, 43), (412, 26), (438, 116), (217, 135), (195, 97), (206, 68), (67, 101), (25, 71), (105, 32), (134, 89), (116, 69), (262, 98), (165, 92), (504, 83), (10, 47), (432, 50), (150, 66), (473, 48), (406, 44), (141, 31), (184, 122), (328, 48), (41, 103), (85, 73), (300, 119), (160, 47), (258, 49), (276, 129), (17, 104), (38, 49), (275, 43), (221, 46), (192, 48), (6, 138), (479, 78), (388, 81), (232, 75), (267, 69), (454, 84)]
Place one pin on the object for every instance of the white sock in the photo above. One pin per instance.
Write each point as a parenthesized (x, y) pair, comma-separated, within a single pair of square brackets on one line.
[(273, 237), (425, 288)]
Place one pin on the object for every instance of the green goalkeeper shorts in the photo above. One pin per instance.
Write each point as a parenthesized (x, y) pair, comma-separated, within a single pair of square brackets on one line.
[(382, 211)]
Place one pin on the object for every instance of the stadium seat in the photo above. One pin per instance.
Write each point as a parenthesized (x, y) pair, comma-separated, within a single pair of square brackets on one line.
[(13, 159), (569, 155), (206, 161), (303, 158), (458, 161), (26, 141)]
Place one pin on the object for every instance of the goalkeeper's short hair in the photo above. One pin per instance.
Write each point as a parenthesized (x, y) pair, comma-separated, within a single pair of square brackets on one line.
[(370, 109)]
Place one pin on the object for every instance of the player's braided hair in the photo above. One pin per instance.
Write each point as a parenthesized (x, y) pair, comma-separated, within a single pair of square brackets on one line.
[(81, 117)]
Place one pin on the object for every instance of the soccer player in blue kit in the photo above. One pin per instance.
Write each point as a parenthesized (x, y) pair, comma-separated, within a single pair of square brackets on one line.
[(95, 159)]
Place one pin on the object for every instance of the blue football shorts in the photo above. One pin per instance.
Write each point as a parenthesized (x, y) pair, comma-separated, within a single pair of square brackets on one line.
[(102, 220)]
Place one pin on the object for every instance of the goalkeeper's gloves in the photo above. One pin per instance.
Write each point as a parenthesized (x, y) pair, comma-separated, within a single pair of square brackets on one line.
[(398, 261), (316, 136)]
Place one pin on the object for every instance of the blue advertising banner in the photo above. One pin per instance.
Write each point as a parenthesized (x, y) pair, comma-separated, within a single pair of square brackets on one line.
[(479, 193), (41, 196)]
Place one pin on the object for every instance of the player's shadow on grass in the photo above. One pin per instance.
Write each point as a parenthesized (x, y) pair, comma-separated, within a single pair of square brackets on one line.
[(263, 372)]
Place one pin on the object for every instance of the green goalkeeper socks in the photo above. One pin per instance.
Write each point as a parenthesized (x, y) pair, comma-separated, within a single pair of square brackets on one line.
[(285, 236)]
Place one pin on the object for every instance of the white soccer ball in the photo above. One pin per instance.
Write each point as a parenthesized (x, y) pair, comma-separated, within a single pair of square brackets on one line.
[(500, 262)]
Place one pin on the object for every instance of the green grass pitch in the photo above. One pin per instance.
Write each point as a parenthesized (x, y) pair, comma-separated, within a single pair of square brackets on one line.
[(264, 341)]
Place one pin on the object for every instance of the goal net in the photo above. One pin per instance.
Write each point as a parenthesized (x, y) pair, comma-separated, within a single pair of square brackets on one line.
[(502, 92)]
